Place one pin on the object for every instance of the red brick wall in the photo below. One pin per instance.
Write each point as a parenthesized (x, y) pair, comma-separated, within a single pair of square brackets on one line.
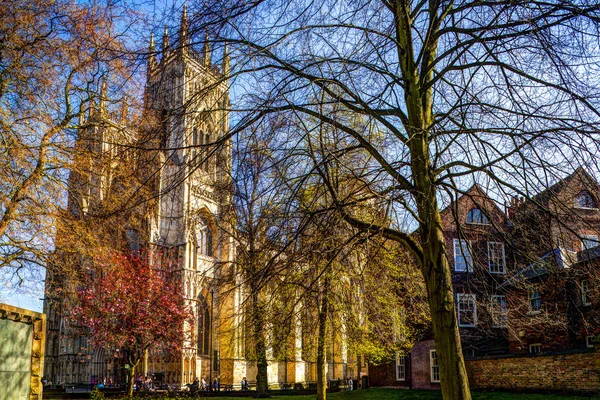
[(421, 375), (577, 372), (385, 375)]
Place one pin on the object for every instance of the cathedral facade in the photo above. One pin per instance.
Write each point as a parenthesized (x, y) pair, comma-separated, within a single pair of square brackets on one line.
[(189, 222)]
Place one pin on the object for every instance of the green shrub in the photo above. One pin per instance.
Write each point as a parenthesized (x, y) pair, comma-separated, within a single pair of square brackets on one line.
[(96, 395)]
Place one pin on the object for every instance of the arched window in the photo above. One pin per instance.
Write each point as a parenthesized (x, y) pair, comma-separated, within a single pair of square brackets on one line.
[(209, 242), (133, 239), (204, 238), (164, 131), (585, 200), (194, 152), (206, 151), (476, 216), (203, 345)]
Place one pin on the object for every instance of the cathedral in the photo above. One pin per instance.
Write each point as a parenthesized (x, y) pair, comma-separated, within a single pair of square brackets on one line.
[(189, 94)]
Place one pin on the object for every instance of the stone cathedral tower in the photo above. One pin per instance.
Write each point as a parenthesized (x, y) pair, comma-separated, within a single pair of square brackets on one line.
[(186, 169), (190, 97)]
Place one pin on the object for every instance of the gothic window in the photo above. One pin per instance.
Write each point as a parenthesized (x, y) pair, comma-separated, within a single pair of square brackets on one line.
[(133, 239), (195, 142), (206, 139), (164, 131), (585, 200), (204, 239), (476, 216), (203, 345)]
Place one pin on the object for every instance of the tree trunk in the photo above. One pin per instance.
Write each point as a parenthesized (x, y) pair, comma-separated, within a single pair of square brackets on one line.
[(436, 272), (262, 383), (321, 347), (453, 372), (131, 381)]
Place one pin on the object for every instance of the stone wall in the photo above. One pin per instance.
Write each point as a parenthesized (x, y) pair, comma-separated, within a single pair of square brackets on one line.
[(573, 371), (21, 353)]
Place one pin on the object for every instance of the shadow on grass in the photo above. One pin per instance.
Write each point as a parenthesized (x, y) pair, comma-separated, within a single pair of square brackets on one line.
[(400, 394)]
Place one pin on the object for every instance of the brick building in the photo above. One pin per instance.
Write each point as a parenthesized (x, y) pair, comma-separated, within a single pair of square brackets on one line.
[(525, 283)]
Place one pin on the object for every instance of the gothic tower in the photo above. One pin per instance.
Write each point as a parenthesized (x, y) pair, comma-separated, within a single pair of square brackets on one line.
[(189, 95), (96, 177)]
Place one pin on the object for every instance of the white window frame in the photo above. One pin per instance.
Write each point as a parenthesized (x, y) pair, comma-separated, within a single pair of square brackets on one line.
[(482, 217), (588, 341), (589, 238), (498, 316), (472, 297), (533, 347), (489, 246), (400, 367), (586, 292), (530, 298), (461, 244), (434, 368), (578, 203)]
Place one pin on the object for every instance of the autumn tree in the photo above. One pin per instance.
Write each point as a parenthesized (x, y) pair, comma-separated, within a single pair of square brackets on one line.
[(131, 306), (53, 57)]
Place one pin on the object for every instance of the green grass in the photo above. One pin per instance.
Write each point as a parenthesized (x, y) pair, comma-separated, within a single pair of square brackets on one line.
[(395, 394)]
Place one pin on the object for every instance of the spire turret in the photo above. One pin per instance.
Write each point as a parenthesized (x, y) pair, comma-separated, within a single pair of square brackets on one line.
[(183, 29), (82, 112), (124, 111), (226, 67), (151, 53), (226, 71), (165, 43), (206, 51), (103, 96)]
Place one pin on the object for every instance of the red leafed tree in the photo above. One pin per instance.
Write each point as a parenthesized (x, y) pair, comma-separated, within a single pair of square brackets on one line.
[(132, 306)]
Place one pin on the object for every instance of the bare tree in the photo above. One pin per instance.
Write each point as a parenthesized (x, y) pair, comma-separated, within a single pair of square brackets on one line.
[(499, 92)]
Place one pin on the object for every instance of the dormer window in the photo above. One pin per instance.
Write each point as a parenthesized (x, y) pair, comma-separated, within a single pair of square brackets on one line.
[(476, 216), (585, 200)]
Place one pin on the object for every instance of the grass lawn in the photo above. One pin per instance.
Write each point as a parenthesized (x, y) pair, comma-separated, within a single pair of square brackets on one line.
[(395, 394)]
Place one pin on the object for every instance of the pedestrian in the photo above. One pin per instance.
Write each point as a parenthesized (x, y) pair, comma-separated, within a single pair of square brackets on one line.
[(349, 383), (244, 384), (216, 384)]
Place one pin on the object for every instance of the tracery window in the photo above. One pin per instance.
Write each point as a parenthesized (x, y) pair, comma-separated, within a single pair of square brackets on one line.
[(203, 344), (204, 237)]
